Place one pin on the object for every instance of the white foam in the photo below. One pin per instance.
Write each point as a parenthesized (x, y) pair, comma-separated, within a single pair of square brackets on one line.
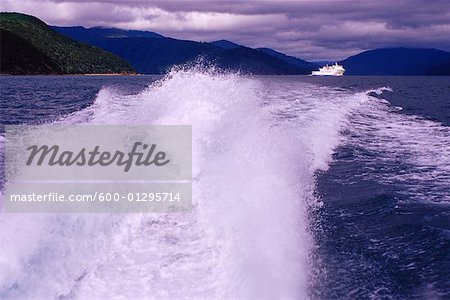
[(256, 146), (421, 147)]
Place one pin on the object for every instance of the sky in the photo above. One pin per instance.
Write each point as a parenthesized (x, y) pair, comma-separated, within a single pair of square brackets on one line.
[(313, 30)]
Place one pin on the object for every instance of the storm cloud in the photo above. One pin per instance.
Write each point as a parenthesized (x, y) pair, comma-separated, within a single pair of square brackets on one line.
[(314, 30)]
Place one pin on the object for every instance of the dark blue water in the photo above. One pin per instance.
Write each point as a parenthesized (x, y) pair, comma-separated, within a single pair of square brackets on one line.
[(427, 96), (32, 100), (388, 238), (383, 231)]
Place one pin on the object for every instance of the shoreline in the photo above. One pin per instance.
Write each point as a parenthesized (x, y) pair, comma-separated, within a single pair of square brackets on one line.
[(107, 74), (87, 74)]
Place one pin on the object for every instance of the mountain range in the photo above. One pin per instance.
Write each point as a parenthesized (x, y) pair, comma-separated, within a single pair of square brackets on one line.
[(399, 61), (151, 53), (29, 46)]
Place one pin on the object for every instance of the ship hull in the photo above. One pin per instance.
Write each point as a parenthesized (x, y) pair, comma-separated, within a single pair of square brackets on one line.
[(318, 73)]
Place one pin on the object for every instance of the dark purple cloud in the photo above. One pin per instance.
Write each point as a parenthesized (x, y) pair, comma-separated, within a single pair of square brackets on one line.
[(321, 29)]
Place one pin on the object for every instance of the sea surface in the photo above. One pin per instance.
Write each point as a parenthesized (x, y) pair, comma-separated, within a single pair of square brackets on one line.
[(304, 188)]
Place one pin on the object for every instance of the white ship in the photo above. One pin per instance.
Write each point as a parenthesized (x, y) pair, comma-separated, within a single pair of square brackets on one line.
[(333, 70)]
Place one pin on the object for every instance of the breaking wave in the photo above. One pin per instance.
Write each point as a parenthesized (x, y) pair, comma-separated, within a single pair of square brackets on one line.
[(257, 146)]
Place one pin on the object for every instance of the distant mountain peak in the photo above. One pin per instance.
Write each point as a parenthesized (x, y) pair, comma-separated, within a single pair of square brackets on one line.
[(104, 32), (116, 32), (399, 61), (292, 60), (225, 44)]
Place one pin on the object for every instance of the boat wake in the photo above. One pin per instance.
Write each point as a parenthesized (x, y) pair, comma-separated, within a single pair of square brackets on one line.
[(257, 145)]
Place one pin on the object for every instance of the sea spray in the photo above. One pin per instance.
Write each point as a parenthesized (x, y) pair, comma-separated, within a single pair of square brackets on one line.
[(256, 148)]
